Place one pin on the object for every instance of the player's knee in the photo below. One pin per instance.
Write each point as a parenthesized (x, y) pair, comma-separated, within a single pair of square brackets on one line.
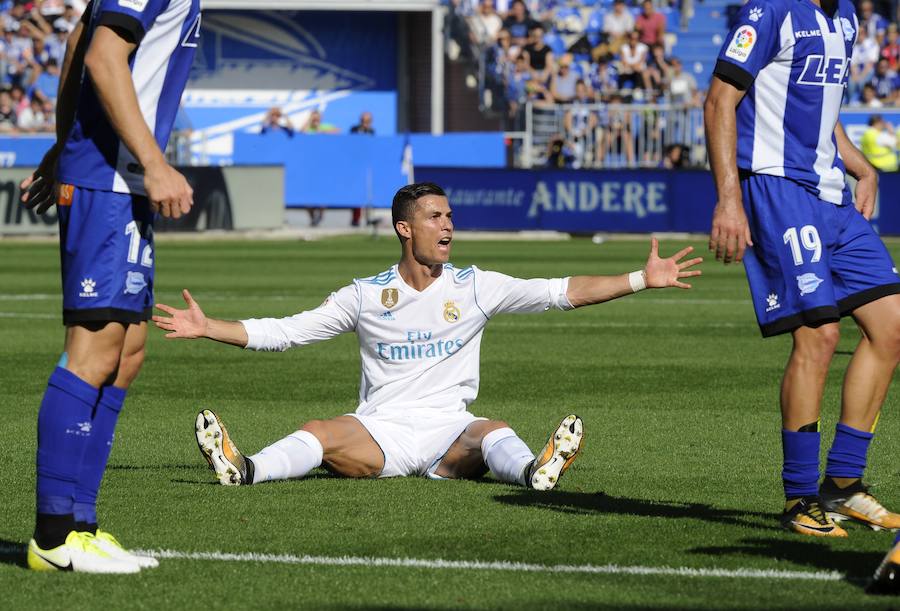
[(818, 345), (494, 425), (318, 429)]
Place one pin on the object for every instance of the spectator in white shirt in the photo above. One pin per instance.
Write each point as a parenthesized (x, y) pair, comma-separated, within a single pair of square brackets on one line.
[(862, 63), (633, 64), (617, 24)]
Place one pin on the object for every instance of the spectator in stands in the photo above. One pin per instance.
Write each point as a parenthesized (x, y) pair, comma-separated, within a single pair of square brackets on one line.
[(604, 78), (617, 24), (884, 81), (651, 25), (559, 155), (891, 49), (633, 63), (47, 82), (19, 99), (658, 68), (869, 20), (56, 42), (517, 85), (8, 119), (276, 121), (519, 23), (540, 56), (580, 122), (616, 136), (682, 86), (32, 119), (879, 144), (485, 24), (673, 157), (869, 97), (862, 62), (564, 81), (363, 127), (314, 125), (16, 49)]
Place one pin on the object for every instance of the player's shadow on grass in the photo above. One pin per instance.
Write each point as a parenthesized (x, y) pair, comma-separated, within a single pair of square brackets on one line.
[(13, 553), (599, 502), (208, 478), (856, 565)]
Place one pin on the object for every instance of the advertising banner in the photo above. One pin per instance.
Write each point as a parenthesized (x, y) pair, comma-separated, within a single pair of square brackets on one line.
[(589, 201), (224, 199)]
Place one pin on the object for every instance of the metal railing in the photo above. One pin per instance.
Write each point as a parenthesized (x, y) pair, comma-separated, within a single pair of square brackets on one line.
[(610, 135)]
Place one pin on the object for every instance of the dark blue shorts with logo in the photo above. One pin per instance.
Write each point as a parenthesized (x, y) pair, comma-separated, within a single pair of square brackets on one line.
[(812, 262), (106, 254)]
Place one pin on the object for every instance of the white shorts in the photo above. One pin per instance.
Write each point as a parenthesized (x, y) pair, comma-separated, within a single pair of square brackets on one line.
[(414, 441)]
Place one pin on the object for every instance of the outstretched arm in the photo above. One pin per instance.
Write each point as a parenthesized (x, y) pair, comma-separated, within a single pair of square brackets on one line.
[(657, 274), (192, 323), (859, 168)]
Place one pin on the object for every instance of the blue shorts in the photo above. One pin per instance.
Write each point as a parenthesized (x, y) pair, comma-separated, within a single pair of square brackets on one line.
[(106, 254), (812, 262)]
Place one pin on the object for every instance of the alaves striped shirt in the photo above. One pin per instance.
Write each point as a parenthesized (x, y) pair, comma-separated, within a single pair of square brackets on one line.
[(793, 59)]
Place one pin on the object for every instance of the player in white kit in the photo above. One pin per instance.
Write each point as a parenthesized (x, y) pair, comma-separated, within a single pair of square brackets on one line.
[(419, 326)]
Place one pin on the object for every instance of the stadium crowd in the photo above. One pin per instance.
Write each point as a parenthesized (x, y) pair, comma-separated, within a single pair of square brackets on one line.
[(612, 52)]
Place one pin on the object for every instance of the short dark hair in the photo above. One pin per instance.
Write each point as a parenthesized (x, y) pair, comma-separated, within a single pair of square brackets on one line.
[(404, 204)]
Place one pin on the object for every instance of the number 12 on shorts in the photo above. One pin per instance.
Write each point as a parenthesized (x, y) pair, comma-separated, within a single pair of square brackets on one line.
[(134, 244), (808, 237)]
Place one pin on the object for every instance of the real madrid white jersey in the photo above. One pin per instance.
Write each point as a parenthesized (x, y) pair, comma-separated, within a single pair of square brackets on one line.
[(794, 60), (418, 349)]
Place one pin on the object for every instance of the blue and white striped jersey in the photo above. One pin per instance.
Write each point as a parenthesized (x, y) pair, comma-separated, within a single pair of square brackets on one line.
[(794, 61), (167, 33)]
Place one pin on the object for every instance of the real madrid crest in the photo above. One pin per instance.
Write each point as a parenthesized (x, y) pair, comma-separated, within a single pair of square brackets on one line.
[(451, 312), (389, 297)]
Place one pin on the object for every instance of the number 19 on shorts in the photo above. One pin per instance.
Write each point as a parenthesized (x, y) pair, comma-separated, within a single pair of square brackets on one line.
[(807, 238)]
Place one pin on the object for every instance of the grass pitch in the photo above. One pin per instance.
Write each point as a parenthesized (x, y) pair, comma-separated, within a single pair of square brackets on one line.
[(680, 467)]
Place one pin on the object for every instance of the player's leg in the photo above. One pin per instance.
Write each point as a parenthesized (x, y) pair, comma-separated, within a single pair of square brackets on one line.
[(870, 293), (492, 444), (64, 434), (342, 445), (790, 278), (103, 425), (887, 577)]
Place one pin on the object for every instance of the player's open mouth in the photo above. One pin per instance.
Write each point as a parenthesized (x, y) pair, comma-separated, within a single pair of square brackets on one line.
[(445, 242)]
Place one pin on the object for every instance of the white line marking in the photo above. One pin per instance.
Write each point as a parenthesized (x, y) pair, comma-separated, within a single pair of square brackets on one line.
[(29, 315), (478, 565)]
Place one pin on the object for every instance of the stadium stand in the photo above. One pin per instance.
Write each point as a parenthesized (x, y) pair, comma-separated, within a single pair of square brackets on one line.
[(653, 80)]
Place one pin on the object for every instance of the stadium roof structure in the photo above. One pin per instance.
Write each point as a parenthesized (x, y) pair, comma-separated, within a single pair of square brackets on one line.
[(330, 5)]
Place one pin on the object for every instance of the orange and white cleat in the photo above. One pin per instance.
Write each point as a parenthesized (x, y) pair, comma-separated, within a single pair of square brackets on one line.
[(223, 457), (886, 580), (807, 517), (558, 454)]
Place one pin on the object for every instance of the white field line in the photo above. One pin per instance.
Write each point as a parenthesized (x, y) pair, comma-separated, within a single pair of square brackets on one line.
[(478, 565), (29, 316)]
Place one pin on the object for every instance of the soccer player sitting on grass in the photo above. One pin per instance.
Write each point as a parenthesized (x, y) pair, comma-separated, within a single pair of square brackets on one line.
[(419, 326)]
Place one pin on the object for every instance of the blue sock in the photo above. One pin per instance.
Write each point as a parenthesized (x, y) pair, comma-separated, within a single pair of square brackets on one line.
[(847, 457), (64, 429), (801, 463), (93, 464)]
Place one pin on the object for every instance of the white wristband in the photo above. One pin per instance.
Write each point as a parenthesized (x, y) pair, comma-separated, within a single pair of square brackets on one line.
[(637, 281)]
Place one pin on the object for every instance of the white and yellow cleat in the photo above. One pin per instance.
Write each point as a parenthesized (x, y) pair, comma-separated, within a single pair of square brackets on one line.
[(109, 544), (559, 453), (857, 504), (79, 554), (221, 454)]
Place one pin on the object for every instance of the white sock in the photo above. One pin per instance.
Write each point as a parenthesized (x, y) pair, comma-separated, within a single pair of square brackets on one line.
[(290, 458), (506, 455)]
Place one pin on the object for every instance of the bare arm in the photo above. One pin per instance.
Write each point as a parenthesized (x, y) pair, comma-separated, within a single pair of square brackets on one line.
[(730, 234), (657, 273), (859, 168), (106, 62), (192, 323)]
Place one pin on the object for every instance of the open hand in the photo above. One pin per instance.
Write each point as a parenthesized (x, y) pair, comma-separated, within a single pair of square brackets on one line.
[(189, 323), (663, 273)]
